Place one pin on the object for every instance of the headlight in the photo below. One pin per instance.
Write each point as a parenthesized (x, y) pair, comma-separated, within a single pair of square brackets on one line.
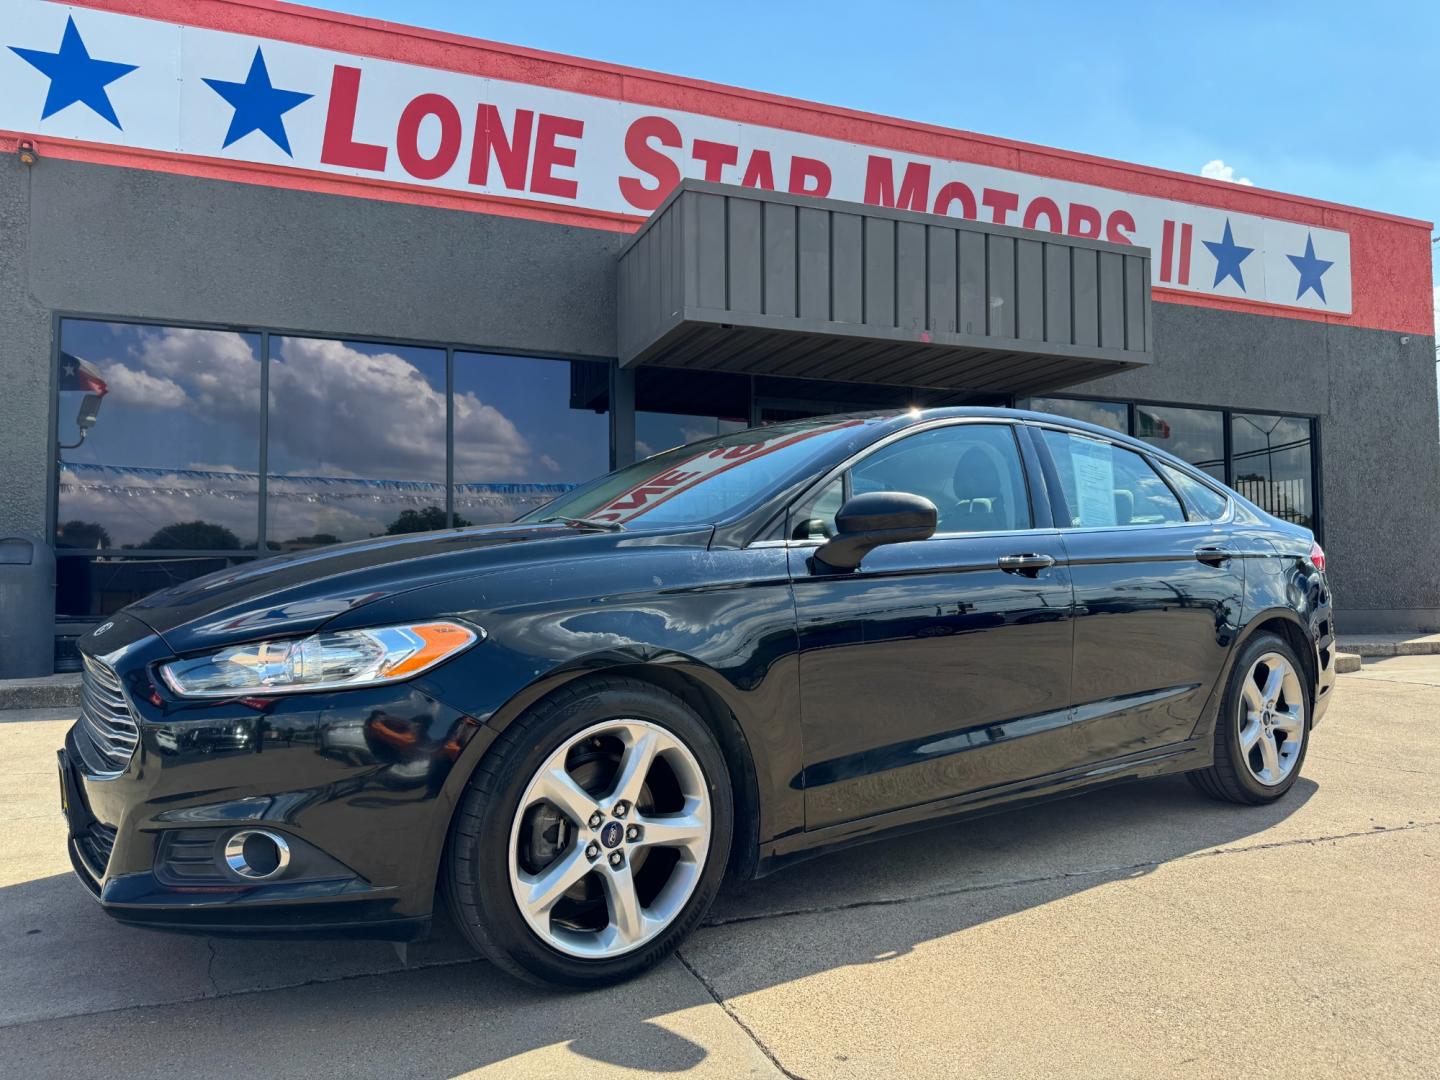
[(330, 661)]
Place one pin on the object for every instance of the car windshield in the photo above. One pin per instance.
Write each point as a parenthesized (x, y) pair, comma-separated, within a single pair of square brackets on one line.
[(703, 482)]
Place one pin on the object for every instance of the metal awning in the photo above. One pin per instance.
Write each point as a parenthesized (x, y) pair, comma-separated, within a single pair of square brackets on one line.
[(724, 278)]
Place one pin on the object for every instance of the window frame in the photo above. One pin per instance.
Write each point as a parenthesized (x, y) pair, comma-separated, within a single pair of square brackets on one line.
[(59, 317), (777, 531)]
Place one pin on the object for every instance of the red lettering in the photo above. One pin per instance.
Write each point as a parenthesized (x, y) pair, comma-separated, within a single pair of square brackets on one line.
[(637, 497), (955, 192), (737, 453), (880, 184), (759, 173), (1043, 207), (1084, 221), (407, 135), (512, 152), (651, 161), (1001, 203), (809, 177), (339, 146), (1116, 226), (549, 156), (715, 155)]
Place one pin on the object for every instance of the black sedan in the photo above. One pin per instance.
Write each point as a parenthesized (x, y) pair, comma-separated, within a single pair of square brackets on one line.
[(719, 660)]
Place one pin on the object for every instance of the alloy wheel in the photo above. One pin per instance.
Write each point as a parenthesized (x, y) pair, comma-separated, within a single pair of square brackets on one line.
[(1272, 719), (610, 839)]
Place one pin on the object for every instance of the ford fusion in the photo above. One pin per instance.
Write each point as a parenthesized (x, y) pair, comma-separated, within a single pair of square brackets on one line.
[(569, 729)]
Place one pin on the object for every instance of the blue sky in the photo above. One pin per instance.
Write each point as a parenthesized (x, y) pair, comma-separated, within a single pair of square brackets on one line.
[(1332, 100)]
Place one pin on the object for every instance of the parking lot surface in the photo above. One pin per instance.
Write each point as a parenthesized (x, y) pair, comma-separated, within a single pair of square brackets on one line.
[(1139, 931)]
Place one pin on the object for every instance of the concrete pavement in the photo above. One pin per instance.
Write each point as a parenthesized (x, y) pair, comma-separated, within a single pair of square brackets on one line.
[(1140, 931)]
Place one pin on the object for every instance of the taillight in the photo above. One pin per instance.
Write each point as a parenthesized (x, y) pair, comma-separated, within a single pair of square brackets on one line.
[(1317, 556)]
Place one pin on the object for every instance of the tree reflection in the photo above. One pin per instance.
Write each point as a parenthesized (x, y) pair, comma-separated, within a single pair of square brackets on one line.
[(193, 536), (82, 534), (426, 520)]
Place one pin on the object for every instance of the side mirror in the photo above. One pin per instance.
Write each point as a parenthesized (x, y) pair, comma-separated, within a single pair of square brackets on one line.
[(878, 517)]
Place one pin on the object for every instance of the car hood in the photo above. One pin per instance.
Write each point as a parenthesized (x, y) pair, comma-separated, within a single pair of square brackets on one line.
[(300, 592)]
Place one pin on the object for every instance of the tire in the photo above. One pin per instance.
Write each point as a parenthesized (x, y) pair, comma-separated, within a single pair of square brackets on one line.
[(510, 841), (1243, 771)]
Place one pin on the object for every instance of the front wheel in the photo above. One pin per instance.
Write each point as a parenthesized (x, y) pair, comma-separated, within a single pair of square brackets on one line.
[(593, 836), (1263, 728)]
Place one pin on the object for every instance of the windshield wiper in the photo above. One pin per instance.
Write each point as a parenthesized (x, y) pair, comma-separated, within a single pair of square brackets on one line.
[(586, 523)]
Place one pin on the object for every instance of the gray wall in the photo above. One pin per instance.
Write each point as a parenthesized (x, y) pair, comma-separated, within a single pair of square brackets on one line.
[(108, 241)]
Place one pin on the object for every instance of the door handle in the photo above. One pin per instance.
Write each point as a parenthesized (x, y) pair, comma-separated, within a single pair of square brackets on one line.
[(1029, 564), (1213, 555)]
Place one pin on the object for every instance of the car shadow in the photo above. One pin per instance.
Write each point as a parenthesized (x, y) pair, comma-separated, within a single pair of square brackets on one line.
[(446, 1014)]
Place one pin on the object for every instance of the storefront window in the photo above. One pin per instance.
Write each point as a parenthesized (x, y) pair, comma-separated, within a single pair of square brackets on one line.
[(357, 441), (100, 585), (1272, 464), (656, 432), (1114, 415), (1193, 435), (170, 455), (674, 407), (526, 431)]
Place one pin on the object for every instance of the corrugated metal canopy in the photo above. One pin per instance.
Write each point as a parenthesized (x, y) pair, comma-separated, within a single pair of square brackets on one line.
[(725, 278)]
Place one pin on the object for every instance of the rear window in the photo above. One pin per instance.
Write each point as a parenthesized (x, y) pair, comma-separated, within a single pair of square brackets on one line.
[(1106, 485), (1208, 503)]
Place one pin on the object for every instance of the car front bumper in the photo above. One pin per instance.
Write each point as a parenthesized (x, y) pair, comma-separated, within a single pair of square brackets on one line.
[(359, 784)]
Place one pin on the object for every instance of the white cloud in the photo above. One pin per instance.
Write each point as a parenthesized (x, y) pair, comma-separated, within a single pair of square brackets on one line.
[(1218, 170), (140, 388), (336, 411), (340, 411)]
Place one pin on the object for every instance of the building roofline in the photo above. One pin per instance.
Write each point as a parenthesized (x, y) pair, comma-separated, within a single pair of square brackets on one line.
[(247, 16)]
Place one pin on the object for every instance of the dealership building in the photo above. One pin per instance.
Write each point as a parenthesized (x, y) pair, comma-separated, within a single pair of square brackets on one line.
[(276, 277)]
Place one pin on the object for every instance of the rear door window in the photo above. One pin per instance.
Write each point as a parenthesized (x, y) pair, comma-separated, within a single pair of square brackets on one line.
[(1106, 485), (1208, 504)]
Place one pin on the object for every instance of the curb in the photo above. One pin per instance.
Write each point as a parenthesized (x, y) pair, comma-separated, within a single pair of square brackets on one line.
[(1427, 646), (1346, 662), (48, 692)]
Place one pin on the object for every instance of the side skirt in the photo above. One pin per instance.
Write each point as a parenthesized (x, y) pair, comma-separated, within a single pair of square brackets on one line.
[(1175, 758)]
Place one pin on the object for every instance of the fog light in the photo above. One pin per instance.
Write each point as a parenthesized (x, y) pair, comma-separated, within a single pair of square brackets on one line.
[(257, 854)]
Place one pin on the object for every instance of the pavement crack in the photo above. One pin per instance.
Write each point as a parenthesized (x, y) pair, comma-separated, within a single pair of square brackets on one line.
[(210, 968), (323, 980), (1095, 871), (1391, 680), (1370, 765), (735, 1016)]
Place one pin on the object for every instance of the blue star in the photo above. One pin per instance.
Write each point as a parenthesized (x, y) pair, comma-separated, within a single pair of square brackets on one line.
[(258, 105), (1228, 257), (74, 75), (1311, 270)]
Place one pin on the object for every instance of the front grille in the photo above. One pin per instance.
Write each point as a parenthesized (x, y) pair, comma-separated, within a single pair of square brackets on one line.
[(94, 846), (108, 727)]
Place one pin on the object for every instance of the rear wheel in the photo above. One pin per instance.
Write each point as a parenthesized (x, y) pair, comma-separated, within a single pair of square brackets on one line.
[(593, 836), (1263, 728)]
